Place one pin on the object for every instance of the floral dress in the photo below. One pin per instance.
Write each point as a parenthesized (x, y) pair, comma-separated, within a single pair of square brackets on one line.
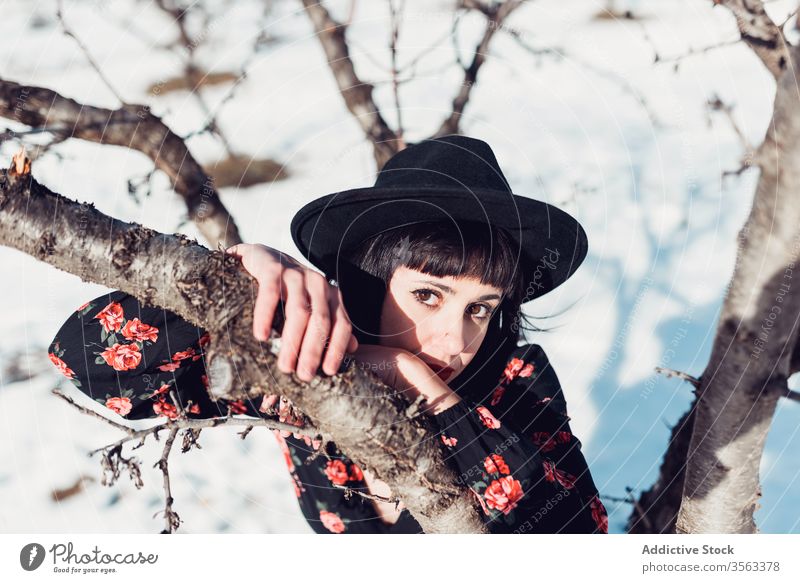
[(510, 443)]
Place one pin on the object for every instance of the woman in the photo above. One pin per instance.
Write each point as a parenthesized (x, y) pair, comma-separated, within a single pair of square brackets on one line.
[(431, 266)]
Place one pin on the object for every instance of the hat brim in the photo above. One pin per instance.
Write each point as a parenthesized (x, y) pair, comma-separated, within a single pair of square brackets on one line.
[(552, 244)]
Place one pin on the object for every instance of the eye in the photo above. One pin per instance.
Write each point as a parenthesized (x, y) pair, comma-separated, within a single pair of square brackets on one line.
[(486, 314), (423, 294)]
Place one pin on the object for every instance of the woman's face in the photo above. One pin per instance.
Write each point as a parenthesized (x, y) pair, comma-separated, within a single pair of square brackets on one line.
[(442, 320)]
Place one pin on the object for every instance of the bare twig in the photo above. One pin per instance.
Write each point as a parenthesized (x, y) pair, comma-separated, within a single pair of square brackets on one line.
[(68, 31), (377, 498), (356, 93), (496, 15), (716, 104), (669, 373), (170, 516)]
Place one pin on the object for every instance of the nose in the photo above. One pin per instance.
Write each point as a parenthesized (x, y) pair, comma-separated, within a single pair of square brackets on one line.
[(453, 339)]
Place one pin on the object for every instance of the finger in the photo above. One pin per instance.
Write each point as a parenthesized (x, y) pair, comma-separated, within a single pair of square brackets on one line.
[(341, 337), (297, 313), (318, 329), (269, 293), (352, 346)]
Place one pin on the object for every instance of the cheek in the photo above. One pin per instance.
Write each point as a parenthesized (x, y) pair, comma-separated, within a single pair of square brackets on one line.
[(473, 345)]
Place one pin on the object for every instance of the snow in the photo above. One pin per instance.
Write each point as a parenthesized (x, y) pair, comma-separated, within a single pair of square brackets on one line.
[(661, 222)]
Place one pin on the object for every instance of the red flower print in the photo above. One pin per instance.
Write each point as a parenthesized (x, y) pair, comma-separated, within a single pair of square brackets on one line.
[(337, 472), (503, 494), (449, 441), (122, 356), (542, 439), (488, 419), (497, 394), (111, 317), (204, 380), (238, 407), (61, 365), (512, 369), (195, 408), (169, 367), (495, 464), (164, 388), (599, 514), (83, 306), (120, 405), (137, 330), (356, 475), (164, 409), (184, 354), (551, 474), (480, 499), (287, 455), (547, 442), (526, 371), (204, 340), (331, 521)]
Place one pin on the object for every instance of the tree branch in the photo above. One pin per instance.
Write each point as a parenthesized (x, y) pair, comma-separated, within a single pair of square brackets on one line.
[(210, 289), (356, 93), (134, 127), (496, 16), (760, 33)]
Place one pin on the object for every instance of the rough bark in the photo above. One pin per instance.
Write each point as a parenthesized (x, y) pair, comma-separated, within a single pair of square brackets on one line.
[(367, 420), (756, 336), (134, 127), (760, 33), (356, 93)]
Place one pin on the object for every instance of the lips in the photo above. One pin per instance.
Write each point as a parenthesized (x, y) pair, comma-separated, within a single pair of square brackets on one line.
[(443, 372)]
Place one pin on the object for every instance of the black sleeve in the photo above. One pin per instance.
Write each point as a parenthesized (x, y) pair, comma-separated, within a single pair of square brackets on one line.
[(516, 453), (128, 357)]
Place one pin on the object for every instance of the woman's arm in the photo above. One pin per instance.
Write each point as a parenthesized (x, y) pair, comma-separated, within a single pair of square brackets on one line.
[(130, 358)]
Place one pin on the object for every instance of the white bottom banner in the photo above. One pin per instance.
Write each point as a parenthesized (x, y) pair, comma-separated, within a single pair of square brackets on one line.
[(118, 558)]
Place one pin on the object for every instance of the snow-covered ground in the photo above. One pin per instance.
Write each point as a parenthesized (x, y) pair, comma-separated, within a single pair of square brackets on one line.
[(661, 222)]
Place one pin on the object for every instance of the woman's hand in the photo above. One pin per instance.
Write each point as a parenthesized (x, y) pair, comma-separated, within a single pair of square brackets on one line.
[(315, 313), (407, 374)]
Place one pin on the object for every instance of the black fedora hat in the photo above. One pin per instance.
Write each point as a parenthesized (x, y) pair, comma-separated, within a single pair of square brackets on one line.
[(451, 178)]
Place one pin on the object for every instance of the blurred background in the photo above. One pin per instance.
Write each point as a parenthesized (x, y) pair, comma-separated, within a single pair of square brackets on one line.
[(635, 117)]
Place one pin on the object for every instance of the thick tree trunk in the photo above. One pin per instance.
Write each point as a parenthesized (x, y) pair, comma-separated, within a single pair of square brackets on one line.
[(756, 336), (366, 419)]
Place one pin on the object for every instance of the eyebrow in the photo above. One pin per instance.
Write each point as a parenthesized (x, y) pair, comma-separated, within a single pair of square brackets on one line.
[(450, 290)]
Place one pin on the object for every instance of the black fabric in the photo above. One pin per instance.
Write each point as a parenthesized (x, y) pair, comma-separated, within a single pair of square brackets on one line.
[(509, 441)]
